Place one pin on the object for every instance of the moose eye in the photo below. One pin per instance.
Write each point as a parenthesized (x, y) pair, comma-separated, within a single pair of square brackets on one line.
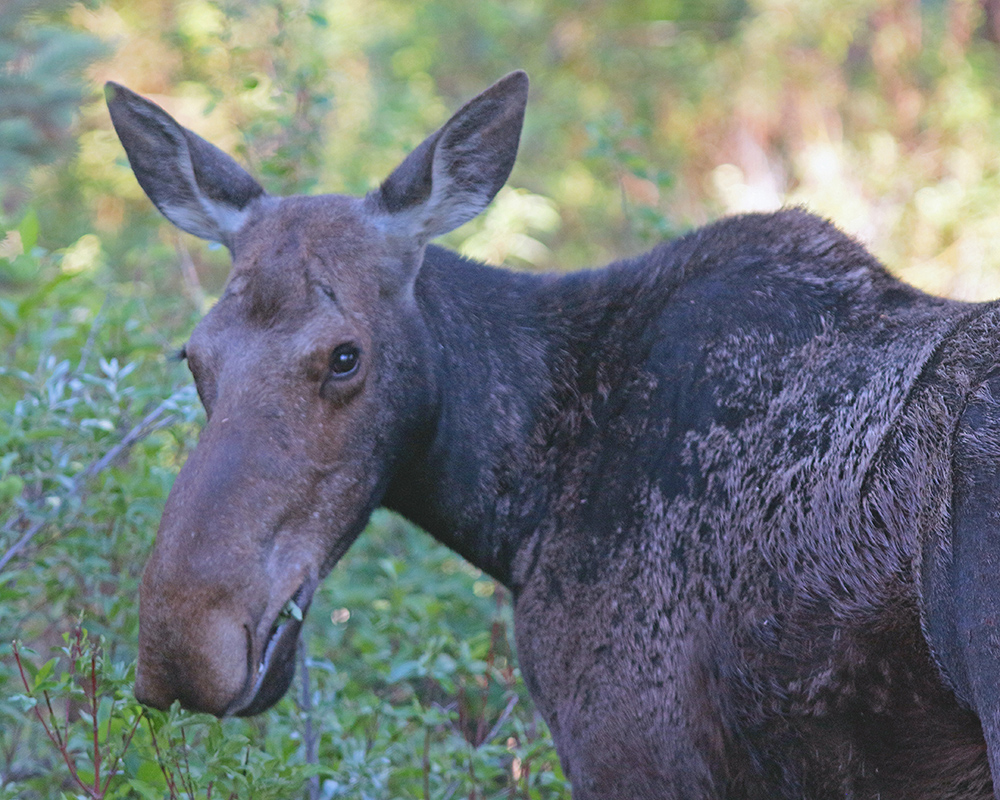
[(344, 360)]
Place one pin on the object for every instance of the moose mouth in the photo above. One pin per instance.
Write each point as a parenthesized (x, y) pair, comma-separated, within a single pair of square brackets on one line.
[(269, 679)]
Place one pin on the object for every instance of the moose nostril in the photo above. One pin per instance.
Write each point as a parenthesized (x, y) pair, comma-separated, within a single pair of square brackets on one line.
[(201, 661)]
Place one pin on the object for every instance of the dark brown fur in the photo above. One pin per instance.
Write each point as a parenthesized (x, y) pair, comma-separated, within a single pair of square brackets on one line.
[(742, 487)]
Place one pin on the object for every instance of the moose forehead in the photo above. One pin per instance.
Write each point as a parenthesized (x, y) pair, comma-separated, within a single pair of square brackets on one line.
[(295, 246), (308, 274)]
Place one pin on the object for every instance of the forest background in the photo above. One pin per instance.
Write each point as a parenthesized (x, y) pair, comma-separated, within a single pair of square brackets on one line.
[(646, 118)]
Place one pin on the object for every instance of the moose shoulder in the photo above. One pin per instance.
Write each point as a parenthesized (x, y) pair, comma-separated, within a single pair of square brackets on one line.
[(744, 488)]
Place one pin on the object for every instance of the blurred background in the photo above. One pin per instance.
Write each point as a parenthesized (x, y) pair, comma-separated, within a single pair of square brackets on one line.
[(646, 118)]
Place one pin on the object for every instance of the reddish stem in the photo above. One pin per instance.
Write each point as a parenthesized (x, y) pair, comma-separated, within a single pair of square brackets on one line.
[(94, 722), (56, 739), (186, 772), (118, 758), (167, 775), (52, 716), (75, 649)]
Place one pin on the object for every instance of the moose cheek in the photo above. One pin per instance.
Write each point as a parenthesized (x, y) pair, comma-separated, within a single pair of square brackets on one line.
[(206, 394)]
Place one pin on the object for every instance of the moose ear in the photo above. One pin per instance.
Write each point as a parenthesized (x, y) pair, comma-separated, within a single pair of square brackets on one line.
[(455, 172), (194, 184)]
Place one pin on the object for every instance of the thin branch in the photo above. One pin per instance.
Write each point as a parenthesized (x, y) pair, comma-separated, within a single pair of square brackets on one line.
[(56, 739), (139, 431), (309, 737), (128, 741), (94, 721), (495, 730), (186, 780), (149, 424), (75, 649), (427, 764), (167, 773), (20, 543), (52, 717)]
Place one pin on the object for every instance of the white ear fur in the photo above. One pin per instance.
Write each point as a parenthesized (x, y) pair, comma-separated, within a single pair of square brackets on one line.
[(214, 221)]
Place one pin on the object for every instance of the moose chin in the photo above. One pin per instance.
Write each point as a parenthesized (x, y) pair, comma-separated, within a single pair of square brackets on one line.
[(743, 488)]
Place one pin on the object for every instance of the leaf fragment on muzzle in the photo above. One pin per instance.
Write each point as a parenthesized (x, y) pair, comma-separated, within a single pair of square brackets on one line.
[(291, 610)]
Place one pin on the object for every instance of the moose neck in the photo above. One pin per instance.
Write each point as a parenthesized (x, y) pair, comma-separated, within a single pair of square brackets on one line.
[(522, 364), (473, 481), (468, 482)]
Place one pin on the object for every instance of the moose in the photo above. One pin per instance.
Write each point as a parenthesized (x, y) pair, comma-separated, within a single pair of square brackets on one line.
[(744, 489)]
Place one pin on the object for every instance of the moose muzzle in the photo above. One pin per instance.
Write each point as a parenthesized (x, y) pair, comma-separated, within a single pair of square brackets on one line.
[(232, 572)]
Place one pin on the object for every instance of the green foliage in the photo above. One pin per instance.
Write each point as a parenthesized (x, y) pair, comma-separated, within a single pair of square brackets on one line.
[(40, 85), (645, 118), (113, 748)]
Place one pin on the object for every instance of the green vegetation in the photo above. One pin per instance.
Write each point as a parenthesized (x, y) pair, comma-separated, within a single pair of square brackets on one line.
[(646, 118)]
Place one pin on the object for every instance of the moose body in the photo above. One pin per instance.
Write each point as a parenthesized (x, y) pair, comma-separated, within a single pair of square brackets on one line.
[(743, 488)]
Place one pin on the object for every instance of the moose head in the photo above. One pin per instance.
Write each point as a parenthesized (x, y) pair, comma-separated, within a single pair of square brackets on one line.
[(317, 377)]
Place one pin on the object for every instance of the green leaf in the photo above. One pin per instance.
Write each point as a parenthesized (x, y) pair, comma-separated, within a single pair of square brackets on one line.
[(145, 790), (45, 671), (405, 670), (291, 611), (148, 775), (10, 488), (23, 701), (29, 230)]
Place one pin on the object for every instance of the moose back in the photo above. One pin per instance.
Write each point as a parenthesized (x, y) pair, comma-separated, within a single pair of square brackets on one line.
[(744, 489)]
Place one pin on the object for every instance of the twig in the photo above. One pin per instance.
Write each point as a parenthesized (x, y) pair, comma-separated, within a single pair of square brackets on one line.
[(55, 738), (148, 425), (167, 773), (309, 735), (16, 547), (75, 650), (128, 741), (472, 777), (427, 764), (93, 720), (97, 791), (186, 780), (499, 723), (139, 431)]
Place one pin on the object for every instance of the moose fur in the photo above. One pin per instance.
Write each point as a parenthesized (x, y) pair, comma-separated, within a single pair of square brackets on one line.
[(744, 488)]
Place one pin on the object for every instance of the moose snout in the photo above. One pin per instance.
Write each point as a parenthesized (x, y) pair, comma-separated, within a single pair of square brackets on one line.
[(200, 659), (212, 633), (223, 659)]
